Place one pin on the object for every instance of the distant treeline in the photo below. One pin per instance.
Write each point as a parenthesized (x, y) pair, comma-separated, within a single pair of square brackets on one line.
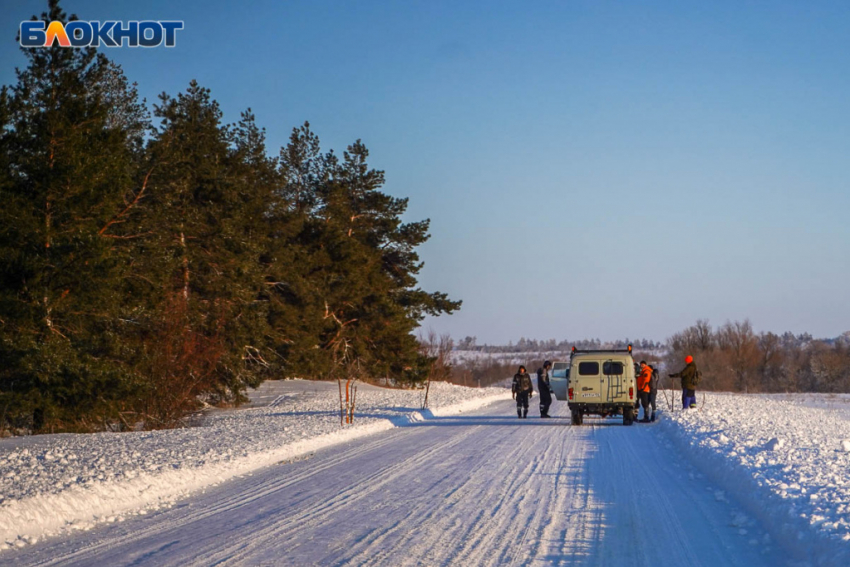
[(152, 263), (734, 358), (731, 357), (553, 345)]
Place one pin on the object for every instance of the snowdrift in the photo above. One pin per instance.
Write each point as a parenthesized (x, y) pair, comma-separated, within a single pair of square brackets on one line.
[(787, 459), (51, 484)]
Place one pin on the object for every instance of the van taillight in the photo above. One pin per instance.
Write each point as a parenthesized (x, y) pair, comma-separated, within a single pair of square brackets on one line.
[(571, 393), (631, 393)]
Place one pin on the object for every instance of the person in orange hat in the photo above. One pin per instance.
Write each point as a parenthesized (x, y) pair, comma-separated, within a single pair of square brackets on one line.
[(690, 379)]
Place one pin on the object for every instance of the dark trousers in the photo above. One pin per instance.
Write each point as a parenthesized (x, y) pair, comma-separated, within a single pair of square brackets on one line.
[(652, 397), (644, 401), (689, 398), (522, 403), (545, 402)]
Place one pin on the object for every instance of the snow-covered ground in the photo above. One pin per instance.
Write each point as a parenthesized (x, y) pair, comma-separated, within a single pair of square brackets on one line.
[(466, 356), (480, 489), (57, 483), (786, 458), (744, 480)]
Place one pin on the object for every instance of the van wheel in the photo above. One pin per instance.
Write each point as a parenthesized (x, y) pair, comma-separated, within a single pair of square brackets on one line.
[(628, 416), (576, 417)]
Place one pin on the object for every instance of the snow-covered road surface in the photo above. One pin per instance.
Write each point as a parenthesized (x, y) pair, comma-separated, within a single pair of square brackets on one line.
[(53, 484), (482, 488)]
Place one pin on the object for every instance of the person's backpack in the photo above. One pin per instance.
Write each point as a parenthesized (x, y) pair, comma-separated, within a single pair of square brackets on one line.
[(697, 377), (524, 383), (653, 380)]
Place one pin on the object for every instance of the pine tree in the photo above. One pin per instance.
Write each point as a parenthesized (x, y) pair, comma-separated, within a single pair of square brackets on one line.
[(395, 306), (294, 258), (73, 128), (355, 288), (144, 270), (205, 215)]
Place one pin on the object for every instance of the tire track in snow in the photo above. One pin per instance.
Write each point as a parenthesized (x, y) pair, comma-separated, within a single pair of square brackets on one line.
[(181, 514), (312, 517), (573, 520), (504, 508), (640, 501), (477, 489), (636, 503)]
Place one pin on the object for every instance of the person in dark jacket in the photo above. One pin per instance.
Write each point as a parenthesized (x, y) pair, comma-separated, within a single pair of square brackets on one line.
[(522, 389), (689, 375), (653, 390), (544, 388)]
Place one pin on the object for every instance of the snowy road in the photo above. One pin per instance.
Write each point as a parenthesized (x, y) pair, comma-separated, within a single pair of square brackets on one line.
[(478, 489)]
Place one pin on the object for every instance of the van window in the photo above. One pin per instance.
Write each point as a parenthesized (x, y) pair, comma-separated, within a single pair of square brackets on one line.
[(612, 368), (559, 370), (588, 368)]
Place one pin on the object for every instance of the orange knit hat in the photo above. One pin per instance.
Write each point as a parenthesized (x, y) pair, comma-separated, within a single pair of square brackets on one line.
[(689, 359)]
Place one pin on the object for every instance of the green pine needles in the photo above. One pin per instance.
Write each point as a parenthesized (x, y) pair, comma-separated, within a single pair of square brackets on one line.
[(153, 264)]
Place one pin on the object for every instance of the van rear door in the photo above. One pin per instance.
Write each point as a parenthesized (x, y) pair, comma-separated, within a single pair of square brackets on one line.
[(587, 381), (613, 375)]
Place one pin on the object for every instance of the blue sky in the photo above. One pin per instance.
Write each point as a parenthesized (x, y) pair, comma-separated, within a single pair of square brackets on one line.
[(590, 168)]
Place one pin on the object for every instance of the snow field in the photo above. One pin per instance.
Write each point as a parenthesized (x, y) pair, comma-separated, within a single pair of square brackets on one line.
[(50, 484), (786, 460)]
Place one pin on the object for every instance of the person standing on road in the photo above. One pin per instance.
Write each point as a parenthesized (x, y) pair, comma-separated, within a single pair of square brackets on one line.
[(522, 389), (637, 397), (653, 390), (544, 388), (690, 378), (643, 380)]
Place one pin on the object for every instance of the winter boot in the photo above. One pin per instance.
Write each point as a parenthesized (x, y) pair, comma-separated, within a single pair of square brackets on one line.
[(652, 417), (519, 413), (525, 414)]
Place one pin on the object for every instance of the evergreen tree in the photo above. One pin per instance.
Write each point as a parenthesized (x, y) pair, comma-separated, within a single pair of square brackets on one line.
[(205, 216), (70, 143), (294, 258), (394, 305), (144, 270), (355, 287)]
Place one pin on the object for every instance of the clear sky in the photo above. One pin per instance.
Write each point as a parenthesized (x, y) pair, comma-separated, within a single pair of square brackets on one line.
[(590, 168)]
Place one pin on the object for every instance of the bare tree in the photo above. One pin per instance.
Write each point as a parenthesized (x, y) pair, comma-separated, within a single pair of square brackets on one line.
[(438, 350), (739, 347)]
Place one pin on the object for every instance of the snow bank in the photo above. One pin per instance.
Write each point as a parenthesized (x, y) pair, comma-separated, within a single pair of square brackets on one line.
[(51, 484), (787, 460)]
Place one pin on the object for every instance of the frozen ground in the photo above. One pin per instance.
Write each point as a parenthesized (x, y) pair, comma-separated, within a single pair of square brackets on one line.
[(786, 458), (58, 483), (483, 488)]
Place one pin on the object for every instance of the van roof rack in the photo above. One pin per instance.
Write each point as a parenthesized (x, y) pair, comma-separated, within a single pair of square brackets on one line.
[(575, 350)]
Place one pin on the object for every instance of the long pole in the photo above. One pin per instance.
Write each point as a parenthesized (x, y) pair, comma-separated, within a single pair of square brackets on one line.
[(341, 407), (347, 402)]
